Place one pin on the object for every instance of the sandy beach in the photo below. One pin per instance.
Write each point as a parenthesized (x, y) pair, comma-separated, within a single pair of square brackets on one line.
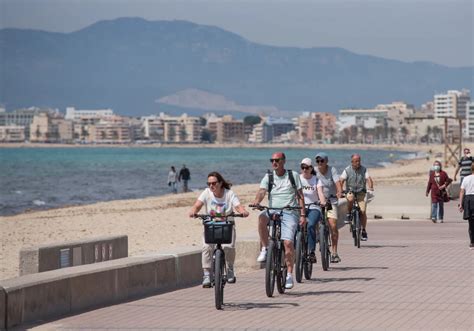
[(159, 223)]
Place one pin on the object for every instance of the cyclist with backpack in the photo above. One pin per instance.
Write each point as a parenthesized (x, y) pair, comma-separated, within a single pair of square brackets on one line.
[(284, 189)]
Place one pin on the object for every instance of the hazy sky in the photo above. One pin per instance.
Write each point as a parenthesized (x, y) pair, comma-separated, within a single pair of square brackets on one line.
[(408, 30)]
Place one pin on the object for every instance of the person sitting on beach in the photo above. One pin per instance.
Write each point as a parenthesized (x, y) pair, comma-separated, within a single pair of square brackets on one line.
[(466, 196), (217, 199), (464, 165), (185, 176), (310, 183), (285, 192), (172, 176), (358, 178), (437, 183), (328, 180)]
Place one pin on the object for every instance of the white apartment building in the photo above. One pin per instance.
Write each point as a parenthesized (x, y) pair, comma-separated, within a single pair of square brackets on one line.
[(76, 115), (469, 129), (165, 128), (363, 117), (12, 133), (451, 104)]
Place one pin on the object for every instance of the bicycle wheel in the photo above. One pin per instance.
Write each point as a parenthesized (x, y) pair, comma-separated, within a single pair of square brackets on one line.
[(270, 269), (323, 246), (299, 257), (218, 279), (307, 264), (281, 269), (358, 230)]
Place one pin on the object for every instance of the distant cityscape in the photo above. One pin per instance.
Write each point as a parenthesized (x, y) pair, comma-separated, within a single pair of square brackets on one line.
[(397, 122)]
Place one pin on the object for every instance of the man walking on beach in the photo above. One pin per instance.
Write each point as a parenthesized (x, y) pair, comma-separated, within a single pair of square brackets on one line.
[(185, 176), (358, 179), (464, 165), (284, 189)]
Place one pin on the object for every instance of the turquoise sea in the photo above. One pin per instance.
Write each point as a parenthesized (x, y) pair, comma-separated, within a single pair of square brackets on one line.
[(43, 178)]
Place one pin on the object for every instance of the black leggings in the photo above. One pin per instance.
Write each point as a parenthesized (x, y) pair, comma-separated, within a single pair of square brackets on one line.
[(471, 229)]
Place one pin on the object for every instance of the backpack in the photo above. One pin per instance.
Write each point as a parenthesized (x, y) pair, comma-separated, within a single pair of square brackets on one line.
[(271, 183)]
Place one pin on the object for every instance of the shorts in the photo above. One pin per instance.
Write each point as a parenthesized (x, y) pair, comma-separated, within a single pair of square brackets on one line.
[(361, 200), (333, 212), (289, 224)]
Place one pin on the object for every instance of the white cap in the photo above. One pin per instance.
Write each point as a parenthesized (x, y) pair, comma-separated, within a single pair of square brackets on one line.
[(307, 161)]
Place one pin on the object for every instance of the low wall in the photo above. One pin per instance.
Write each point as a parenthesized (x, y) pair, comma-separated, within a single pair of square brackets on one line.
[(67, 254), (59, 292)]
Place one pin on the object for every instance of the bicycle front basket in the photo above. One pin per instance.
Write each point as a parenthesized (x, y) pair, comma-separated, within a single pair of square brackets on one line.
[(218, 233)]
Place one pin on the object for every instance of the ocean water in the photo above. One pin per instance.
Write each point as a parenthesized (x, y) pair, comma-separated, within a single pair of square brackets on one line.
[(44, 178)]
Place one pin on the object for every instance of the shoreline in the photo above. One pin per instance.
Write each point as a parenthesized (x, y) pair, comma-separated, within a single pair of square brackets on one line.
[(392, 147)]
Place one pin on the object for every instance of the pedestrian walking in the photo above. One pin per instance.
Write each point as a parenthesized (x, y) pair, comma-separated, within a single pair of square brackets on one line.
[(466, 196), (437, 184), (172, 177), (185, 177)]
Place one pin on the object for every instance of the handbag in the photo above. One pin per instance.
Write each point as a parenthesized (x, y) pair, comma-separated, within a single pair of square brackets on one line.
[(443, 192)]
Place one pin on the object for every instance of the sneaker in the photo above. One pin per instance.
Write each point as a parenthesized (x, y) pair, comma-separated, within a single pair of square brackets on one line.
[(289, 282), (440, 221), (471, 246), (312, 257), (206, 281), (335, 258), (433, 220), (262, 256), (231, 275), (364, 235), (347, 220)]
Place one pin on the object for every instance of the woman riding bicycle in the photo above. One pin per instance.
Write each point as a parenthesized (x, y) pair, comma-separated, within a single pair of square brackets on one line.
[(217, 200), (309, 181)]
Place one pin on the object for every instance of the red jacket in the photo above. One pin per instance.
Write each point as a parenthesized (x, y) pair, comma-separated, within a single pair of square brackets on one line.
[(433, 187)]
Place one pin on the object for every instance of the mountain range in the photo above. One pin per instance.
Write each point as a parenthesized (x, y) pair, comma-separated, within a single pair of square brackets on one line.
[(136, 67)]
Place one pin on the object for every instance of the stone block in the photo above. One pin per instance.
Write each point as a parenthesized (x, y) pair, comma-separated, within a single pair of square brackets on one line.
[(29, 261), (246, 254), (3, 308)]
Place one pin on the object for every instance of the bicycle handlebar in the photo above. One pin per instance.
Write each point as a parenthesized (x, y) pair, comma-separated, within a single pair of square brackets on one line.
[(205, 217), (261, 207)]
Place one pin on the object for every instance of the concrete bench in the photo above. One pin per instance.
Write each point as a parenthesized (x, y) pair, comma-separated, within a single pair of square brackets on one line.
[(66, 254)]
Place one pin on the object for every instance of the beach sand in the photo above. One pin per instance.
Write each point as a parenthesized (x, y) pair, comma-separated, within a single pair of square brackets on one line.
[(159, 223)]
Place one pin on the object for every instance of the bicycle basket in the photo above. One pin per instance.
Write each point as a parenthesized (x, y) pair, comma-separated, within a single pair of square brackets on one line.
[(218, 233)]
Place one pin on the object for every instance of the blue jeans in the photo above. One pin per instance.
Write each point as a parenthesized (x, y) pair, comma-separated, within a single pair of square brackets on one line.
[(437, 210), (312, 216)]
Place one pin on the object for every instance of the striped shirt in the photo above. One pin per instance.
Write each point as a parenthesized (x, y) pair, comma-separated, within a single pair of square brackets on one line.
[(465, 164)]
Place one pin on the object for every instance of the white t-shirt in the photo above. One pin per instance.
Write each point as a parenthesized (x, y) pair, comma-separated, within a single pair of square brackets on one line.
[(219, 206), (468, 185), (310, 191), (328, 183), (172, 177)]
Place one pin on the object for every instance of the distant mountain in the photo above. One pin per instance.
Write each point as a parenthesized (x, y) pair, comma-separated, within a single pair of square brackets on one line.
[(129, 63)]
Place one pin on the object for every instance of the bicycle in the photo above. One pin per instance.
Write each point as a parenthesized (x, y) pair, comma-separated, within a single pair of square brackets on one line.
[(275, 266), (324, 236), (303, 261), (218, 232), (354, 220)]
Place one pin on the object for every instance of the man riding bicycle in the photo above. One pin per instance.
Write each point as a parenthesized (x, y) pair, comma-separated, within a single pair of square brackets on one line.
[(357, 178), (284, 189)]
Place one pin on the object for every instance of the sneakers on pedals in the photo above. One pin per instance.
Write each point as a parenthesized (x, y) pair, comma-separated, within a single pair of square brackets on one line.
[(363, 236), (262, 256), (206, 281), (312, 257), (289, 282), (231, 275)]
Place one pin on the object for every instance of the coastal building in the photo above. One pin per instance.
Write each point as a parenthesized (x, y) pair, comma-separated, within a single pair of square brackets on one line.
[(226, 129), (51, 128), (451, 104), (12, 133), (261, 133), (84, 115), (111, 132), (172, 129), (280, 126), (23, 117), (469, 129), (316, 127)]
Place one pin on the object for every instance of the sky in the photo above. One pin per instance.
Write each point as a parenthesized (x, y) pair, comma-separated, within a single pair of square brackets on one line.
[(439, 31)]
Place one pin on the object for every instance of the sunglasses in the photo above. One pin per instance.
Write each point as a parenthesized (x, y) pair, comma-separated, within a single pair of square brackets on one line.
[(212, 183), (275, 160), (303, 167), (320, 160)]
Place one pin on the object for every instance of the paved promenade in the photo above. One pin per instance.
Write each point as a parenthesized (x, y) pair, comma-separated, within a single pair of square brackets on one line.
[(409, 275)]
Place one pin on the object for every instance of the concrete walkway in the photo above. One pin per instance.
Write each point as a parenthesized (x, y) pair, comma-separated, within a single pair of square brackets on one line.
[(409, 275)]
